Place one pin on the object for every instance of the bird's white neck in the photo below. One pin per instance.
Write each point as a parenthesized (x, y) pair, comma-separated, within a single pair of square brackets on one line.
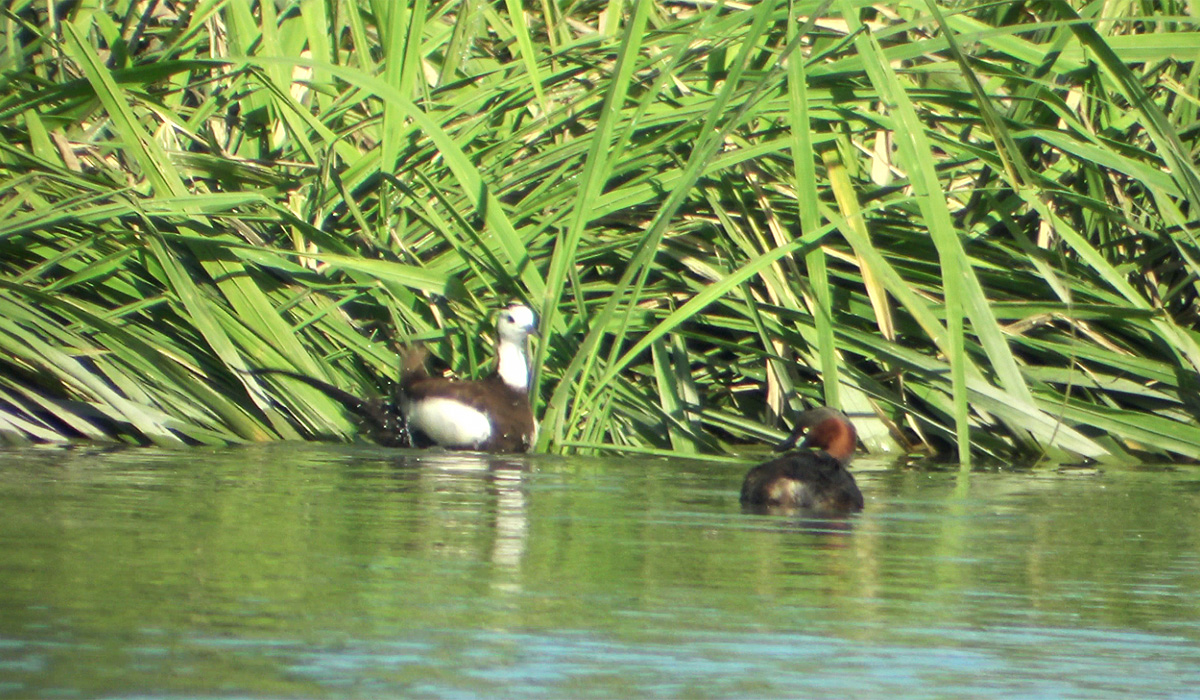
[(512, 365)]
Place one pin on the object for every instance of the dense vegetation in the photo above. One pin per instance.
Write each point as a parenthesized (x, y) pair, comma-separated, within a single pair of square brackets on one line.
[(972, 226)]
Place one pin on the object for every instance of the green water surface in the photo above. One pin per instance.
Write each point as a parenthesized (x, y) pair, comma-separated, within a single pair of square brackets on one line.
[(295, 571)]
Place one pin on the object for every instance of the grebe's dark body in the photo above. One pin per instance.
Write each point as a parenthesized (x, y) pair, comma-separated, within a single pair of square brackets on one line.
[(814, 476)]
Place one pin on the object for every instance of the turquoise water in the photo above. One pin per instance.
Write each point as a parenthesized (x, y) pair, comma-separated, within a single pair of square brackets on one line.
[(315, 571)]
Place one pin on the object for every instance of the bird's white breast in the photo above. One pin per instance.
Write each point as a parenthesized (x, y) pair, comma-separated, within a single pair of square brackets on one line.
[(448, 422), (790, 491)]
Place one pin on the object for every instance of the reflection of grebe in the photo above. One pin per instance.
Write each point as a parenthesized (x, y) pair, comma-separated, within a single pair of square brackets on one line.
[(814, 478)]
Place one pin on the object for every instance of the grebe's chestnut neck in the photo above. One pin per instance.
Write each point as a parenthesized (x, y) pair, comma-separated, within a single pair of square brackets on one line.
[(825, 429)]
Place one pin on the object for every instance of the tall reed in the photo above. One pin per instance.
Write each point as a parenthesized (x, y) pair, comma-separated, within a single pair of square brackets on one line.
[(973, 227)]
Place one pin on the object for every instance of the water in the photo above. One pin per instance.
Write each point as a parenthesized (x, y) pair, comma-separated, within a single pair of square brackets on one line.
[(310, 571)]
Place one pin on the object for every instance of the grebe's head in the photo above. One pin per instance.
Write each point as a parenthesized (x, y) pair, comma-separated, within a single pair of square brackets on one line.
[(825, 429)]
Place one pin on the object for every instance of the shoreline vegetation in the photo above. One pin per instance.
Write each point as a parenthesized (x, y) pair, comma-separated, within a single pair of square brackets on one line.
[(971, 227)]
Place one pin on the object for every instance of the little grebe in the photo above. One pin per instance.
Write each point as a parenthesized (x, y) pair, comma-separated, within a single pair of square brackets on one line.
[(813, 476)]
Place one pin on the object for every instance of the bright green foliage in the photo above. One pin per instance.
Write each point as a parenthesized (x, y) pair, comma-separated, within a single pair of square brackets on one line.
[(973, 227)]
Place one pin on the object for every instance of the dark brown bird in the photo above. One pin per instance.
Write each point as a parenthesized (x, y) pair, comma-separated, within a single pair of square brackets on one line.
[(490, 415), (813, 477)]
